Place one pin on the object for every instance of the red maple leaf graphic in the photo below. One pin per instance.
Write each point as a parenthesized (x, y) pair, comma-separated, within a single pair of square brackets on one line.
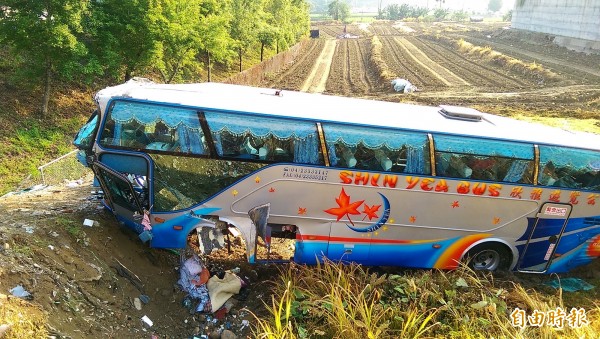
[(371, 211), (345, 207)]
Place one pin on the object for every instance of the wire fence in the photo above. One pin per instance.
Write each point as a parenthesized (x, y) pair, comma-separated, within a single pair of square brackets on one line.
[(58, 171)]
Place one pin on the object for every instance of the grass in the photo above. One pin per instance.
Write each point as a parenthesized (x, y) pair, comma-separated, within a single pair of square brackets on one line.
[(70, 226), (333, 300), (488, 54), (31, 145), (571, 124), (376, 58), (21, 319)]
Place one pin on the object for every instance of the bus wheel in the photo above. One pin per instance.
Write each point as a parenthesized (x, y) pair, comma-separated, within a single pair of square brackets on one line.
[(489, 257)]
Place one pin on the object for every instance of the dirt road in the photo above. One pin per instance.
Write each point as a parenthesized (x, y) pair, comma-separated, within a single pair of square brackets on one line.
[(315, 82)]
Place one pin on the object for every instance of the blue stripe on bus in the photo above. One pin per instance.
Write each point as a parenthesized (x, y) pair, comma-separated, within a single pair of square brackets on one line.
[(549, 227), (420, 255), (536, 251)]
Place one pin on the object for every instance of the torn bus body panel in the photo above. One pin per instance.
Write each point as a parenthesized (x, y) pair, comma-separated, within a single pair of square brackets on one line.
[(173, 233), (248, 231)]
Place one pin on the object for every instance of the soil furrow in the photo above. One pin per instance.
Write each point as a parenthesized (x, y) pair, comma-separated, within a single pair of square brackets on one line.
[(369, 75), (338, 83), (421, 77), (475, 75), (293, 77), (482, 70), (317, 78), (531, 56), (439, 71), (394, 62)]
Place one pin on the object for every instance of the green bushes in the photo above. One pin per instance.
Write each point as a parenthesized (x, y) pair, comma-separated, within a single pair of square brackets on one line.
[(333, 300)]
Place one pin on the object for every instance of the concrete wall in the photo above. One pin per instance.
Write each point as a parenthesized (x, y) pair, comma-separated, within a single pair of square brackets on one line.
[(576, 23)]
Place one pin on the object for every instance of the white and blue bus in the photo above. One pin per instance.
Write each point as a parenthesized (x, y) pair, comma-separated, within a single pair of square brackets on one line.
[(377, 183)]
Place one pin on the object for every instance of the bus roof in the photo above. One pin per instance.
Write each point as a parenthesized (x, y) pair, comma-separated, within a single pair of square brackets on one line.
[(319, 107)]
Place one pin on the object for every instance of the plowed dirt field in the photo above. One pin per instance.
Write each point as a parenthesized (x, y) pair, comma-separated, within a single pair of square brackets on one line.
[(446, 74)]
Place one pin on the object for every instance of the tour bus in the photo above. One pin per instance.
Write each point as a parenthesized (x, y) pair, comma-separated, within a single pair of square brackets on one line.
[(348, 179)]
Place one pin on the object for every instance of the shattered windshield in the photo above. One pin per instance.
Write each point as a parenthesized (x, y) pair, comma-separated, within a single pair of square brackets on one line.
[(85, 136), (181, 182)]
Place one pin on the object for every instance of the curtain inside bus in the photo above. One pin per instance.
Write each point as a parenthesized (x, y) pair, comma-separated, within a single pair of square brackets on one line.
[(153, 126), (484, 159), (264, 138), (377, 149)]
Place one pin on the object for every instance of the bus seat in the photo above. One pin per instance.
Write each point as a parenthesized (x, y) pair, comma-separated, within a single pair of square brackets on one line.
[(126, 136), (159, 146), (384, 161), (349, 157), (176, 147), (263, 152), (516, 171), (248, 147)]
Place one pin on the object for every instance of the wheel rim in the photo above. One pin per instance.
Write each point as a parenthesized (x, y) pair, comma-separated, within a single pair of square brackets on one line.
[(486, 260)]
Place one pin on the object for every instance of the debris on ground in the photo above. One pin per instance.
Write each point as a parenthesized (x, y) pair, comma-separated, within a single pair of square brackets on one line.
[(90, 223), (193, 279), (20, 292), (570, 284), (403, 85)]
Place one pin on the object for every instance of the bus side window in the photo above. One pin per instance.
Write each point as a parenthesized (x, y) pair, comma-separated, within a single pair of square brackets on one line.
[(569, 168), (153, 127), (264, 138), (377, 149), (483, 159)]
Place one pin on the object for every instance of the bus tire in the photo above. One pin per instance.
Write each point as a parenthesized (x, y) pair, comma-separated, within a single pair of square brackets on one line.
[(489, 257)]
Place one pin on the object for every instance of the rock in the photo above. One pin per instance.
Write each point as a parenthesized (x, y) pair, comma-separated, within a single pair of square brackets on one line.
[(230, 303), (227, 334), (214, 335)]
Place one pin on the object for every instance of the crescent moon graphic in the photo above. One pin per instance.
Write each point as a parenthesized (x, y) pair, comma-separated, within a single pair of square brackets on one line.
[(377, 225)]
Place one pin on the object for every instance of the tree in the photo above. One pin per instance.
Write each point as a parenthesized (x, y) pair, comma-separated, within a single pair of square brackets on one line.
[(289, 18), (127, 38), (179, 42), (339, 10), (44, 34), (507, 16), (214, 30), (494, 5), (440, 2), (459, 16), (397, 12), (441, 13), (246, 15), (267, 36), (417, 12)]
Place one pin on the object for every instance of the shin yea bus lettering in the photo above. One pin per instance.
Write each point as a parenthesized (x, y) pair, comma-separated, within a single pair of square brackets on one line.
[(425, 184), (372, 182)]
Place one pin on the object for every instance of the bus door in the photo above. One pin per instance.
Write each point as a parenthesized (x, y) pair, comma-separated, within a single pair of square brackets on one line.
[(125, 190), (548, 227)]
